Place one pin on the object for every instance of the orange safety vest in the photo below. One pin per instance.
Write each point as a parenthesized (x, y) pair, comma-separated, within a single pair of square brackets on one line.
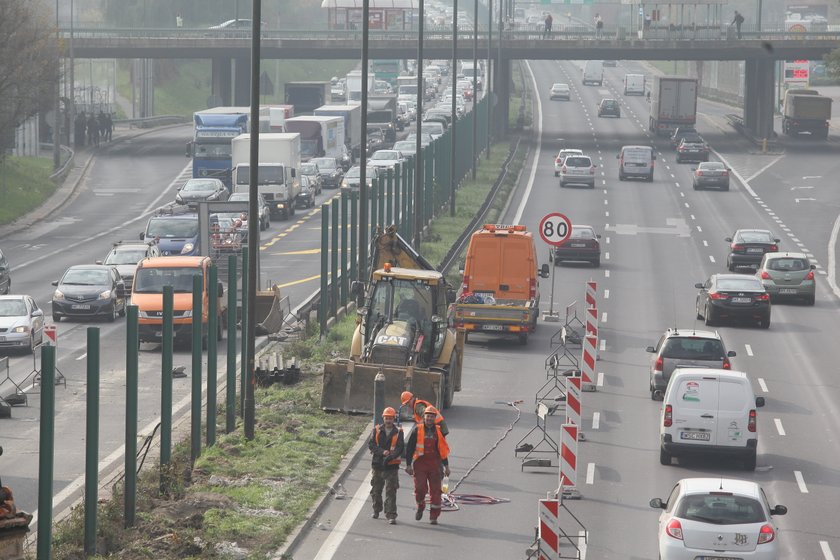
[(379, 430), (419, 448), (418, 415)]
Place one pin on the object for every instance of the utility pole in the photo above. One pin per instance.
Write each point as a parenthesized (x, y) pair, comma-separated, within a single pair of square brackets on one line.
[(475, 92), (453, 72), (364, 228), (418, 159)]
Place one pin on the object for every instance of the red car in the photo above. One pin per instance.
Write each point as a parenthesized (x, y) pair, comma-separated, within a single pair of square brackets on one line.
[(468, 94), (582, 245)]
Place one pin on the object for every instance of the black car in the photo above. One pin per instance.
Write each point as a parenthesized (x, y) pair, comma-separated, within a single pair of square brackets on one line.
[(89, 290), (306, 196), (330, 171), (747, 247), (680, 132), (582, 245), (609, 107), (733, 296), (692, 148), (202, 190), (125, 255), (262, 209), (711, 174)]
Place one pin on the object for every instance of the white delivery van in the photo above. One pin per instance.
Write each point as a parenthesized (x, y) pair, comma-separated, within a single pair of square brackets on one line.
[(593, 72), (709, 411), (634, 84)]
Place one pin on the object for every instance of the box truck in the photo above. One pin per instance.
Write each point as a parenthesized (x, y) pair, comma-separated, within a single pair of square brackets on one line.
[(673, 103), (805, 110), (279, 160), (320, 136)]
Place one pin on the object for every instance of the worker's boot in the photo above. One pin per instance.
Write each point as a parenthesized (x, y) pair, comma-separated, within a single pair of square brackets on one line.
[(419, 514)]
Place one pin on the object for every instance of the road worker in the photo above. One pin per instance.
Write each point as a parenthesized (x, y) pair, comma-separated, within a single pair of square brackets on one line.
[(418, 407), (386, 445), (426, 455)]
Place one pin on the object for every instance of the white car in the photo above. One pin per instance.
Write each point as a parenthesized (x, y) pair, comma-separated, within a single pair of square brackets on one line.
[(21, 322), (435, 129), (560, 91), (386, 158), (558, 161), (717, 518)]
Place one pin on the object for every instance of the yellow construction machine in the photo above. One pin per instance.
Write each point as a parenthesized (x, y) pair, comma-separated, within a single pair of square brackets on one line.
[(401, 331)]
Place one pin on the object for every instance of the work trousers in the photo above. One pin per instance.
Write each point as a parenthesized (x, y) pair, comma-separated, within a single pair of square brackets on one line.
[(427, 479), (390, 481)]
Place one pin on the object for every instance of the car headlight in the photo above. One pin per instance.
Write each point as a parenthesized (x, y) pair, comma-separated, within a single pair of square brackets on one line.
[(178, 198), (187, 313), (58, 294), (20, 329), (188, 247), (344, 183), (213, 196), (105, 295)]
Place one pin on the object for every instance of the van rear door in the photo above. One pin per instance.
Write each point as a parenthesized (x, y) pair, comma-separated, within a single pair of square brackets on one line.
[(695, 410), (735, 400), (484, 265), (517, 268)]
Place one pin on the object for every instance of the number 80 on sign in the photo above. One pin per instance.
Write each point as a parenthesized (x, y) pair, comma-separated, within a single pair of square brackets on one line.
[(555, 228)]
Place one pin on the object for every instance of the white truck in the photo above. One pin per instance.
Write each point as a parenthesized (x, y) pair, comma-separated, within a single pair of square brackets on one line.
[(353, 85), (634, 84), (320, 136), (352, 115), (673, 103), (593, 72), (279, 160)]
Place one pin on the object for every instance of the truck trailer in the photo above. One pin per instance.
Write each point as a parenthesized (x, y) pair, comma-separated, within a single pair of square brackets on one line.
[(320, 136), (307, 96), (673, 103), (806, 111), (352, 115)]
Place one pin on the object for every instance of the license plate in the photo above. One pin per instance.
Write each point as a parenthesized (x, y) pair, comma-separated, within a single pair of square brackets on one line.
[(696, 436), (493, 327), (755, 250), (741, 300), (159, 334), (79, 306), (787, 291), (577, 245), (717, 558)]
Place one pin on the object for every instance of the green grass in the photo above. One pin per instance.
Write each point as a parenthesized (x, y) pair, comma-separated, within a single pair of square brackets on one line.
[(24, 185)]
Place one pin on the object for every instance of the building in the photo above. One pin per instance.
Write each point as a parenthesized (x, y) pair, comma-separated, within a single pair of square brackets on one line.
[(385, 15)]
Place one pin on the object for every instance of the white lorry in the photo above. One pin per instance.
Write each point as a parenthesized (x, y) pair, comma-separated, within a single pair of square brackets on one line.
[(593, 72), (634, 84), (673, 103), (353, 85), (279, 160), (320, 135), (352, 115)]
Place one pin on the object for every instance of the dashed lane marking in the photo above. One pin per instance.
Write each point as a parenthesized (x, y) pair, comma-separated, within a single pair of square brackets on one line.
[(602, 345), (748, 349), (604, 317), (711, 258), (600, 382), (590, 473), (606, 294), (763, 385), (779, 427), (596, 420), (826, 550), (800, 481)]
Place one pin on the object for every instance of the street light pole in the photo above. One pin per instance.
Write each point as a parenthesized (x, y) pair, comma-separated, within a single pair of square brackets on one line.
[(363, 188), (489, 80), (418, 150), (57, 105), (453, 72), (475, 92)]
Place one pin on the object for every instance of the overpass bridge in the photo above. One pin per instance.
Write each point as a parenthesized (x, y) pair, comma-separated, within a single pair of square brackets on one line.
[(230, 52)]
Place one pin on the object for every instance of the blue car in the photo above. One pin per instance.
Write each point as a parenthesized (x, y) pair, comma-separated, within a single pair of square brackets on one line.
[(175, 234)]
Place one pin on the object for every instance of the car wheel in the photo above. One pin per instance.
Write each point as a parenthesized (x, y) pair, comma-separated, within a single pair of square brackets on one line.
[(123, 310), (621, 176), (811, 300), (749, 462), (696, 188), (556, 174), (267, 222), (114, 314), (562, 184), (650, 178), (726, 188), (709, 318), (57, 317), (679, 160), (523, 339), (596, 263), (764, 323), (730, 266), (31, 349), (664, 457)]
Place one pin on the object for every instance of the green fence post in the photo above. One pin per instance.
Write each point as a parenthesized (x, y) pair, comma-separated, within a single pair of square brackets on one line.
[(243, 346), (196, 374), (230, 383), (398, 185), (429, 179), (380, 187), (212, 340), (373, 194), (167, 342), (132, 350), (334, 276), (323, 302), (345, 270), (46, 453), (354, 228), (92, 440), (389, 219), (408, 200)]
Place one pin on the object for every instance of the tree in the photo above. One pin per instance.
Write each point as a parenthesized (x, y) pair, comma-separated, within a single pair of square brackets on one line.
[(832, 63), (29, 64)]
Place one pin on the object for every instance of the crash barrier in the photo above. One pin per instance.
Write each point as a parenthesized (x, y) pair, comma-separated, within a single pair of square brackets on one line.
[(559, 364), (553, 542), (591, 294), (569, 435), (590, 342), (572, 330), (540, 445), (574, 400)]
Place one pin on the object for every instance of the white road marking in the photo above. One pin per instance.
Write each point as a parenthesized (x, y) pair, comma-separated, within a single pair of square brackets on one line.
[(607, 214), (748, 349), (604, 317), (519, 211), (677, 184), (345, 522), (607, 256), (82, 357), (711, 258), (763, 385), (602, 345), (763, 169), (682, 194), (832, 244), (606, 201), (826, 550), (687, 205), (779, 427), (699, 229), (692, 217), (800, 481), (705, 243), (590, 473), (606, 274), (606, 294), (600, 382), (596, 420), (811, 176), (582, 536)]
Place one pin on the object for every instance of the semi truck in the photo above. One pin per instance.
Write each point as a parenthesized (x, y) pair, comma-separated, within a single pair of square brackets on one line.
[(279, 160), (382, 113), (353, 85), (806, 111), (307, 96), (352, 115), (320, 135), (210, 147), (673, 103)]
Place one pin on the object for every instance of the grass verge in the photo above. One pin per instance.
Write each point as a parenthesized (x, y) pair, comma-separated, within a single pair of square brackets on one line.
[(24, 185)]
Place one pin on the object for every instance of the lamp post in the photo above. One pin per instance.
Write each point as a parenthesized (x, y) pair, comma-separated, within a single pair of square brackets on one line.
[(363, 187), (453, 72), (57, 105), (418, 150), (489, 80), (475, 82)]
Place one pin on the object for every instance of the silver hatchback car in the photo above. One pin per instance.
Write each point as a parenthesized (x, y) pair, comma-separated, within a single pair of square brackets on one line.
[(788, 275), (685, 348), (577, 170)]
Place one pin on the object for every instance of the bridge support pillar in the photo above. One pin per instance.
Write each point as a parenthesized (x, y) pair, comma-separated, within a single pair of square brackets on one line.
[(502, 87), (242, 82), (759, 97), (221, 81)]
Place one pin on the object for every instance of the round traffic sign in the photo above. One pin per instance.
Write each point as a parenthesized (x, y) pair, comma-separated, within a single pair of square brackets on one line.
[(555, 228)]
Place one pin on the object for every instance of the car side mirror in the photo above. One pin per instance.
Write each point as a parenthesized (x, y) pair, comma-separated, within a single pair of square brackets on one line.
[(598, 236), (189, 149), (731, 354), (38, 313), (220, 290), (55, 282), (777, 240), (545, 271), (451, 295), (650, 349), (813, 267), (653, 156), (778, 510), (699, 285), (657, 503), (728, 239), (617, 156), (694, 169), (142, 236), (759, 402), (99, 262)]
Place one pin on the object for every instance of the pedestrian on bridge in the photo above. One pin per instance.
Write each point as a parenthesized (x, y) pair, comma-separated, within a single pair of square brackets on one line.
[(599, 26), (179, 21), (386, 444), (428, 451), (549, 21), (738, 21)]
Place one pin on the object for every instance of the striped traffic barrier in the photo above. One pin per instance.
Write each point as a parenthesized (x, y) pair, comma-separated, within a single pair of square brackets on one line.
[(573, 399), (592, 321), (591, 294), (568, 460), (587, 362), (549, 530)]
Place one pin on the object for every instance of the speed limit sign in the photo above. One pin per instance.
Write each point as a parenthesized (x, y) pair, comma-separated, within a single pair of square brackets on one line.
[(555, 228)]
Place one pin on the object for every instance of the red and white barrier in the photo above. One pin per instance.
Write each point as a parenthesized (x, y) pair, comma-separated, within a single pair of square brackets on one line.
[(592, 321), (573, 400), (549, 533), (587, 363), (568, 457), (591, 294)]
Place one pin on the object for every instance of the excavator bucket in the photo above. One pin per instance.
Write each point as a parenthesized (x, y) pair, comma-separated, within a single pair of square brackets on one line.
[(348, 386)]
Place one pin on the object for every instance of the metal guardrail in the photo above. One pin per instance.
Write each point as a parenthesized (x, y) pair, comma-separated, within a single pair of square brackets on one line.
[(150, 122)]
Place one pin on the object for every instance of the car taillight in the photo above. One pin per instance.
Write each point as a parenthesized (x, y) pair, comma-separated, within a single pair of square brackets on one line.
[(810, 275), (669, 417), (751, 421), (774, 248), (532, 288), (563, 169), (718, 295), (674, 529), (766, 534), (765, 275), (726, 364), (736, 247), (762, 297), (699, 173), (592, 170), (681, 149), (657, 366), (558, 160)]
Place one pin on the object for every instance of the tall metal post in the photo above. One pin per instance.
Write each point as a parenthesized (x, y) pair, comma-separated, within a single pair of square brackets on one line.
[(354, 229), (230, 380), (166, 385), (132, 349), (475, 93), (197, 339), (363, 187), (417, 228), (323, 307), (334, 275), (454, 128), (92, 440), (488, 96), (345, 271), (57, 106), (212, 339), (243, 347), (46, 452)]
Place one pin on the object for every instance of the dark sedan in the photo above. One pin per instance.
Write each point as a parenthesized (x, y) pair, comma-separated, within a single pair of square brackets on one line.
[(330, 171), (735, 297), (692, 148), (680, 132), (711, 174), (202, 190), (89, 290), (609, 107), (582, 245), (747, 248)]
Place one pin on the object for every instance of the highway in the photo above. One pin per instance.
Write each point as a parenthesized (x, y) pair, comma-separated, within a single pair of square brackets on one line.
[(659, 239)]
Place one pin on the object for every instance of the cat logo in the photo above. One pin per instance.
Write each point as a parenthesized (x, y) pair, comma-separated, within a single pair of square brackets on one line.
[(740, 539), (391, 340)]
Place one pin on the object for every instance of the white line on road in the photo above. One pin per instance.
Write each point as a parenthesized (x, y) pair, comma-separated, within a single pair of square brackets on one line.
[(604, 317), (606, 274), (596, 420), (600, 382), (692, 217), (519, 211), (763, 385), (800, 481), (602, 345), (590, 473), (711, 258), (826, 550), (345, 522), (82, 357), (606, 294), (779, 427), (705, 243), (608, 240), (763, 169), (699, 229), (607, 214), (582, 544), (748, 349), (607, 256)]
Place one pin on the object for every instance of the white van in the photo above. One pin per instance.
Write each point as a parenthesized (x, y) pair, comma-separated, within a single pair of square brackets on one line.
[(593, 72), (709, 411), (634, 84), (636, 161)]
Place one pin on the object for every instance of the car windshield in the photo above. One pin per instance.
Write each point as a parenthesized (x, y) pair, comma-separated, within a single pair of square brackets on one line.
[(125, 256), (388, 155), (693, 348), (720, 509), (712, 166), (575, 161), (405, 146), (788, 264), (355, 172), (559, 86), (435, 127), (745, 283), (168, 227), (325, 164), (12, 308), (692, 139), (152, 280), (308, 169), (239, 197), (85, 277), (199, 185), (755, 237), (609, 103), (582, 233)]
